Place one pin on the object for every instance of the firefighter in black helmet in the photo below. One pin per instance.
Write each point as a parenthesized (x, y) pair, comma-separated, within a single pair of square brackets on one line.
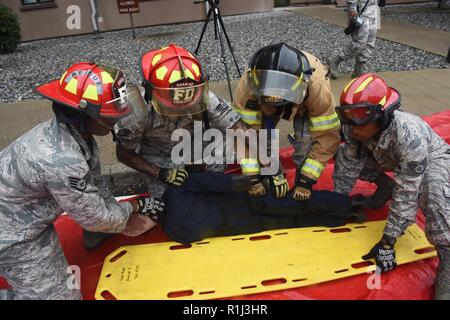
[(283, 82)]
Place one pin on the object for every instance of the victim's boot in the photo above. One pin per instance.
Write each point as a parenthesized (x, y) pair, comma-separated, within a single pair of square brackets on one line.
[(93, 240), (333, 68), (385, 184)]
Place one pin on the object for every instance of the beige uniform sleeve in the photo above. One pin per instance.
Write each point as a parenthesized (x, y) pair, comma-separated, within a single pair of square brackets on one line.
[(324, 123)]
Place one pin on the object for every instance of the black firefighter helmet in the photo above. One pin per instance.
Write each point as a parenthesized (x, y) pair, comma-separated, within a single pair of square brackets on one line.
[(278, 75)]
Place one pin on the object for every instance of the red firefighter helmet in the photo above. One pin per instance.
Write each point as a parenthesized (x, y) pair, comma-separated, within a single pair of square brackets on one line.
[(365, 99), (97, 90), (174, 81)]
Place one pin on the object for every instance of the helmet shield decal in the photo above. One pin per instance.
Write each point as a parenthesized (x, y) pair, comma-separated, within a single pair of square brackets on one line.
[(277, 87), (183, 98)]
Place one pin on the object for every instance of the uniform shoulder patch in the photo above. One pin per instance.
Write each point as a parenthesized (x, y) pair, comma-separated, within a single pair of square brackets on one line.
[(79, 184), (416, 167), (222, 106)]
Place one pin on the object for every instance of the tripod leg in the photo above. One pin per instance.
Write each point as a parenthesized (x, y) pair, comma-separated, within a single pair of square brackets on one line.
[(208, 16), (224, 60), (216, 25), (228, 42)]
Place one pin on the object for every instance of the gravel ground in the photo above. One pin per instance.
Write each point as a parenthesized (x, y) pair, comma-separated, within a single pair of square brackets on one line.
[(430, 17), (41, 61)]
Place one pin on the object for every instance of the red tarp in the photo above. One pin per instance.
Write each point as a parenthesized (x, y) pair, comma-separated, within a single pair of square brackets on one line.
[(411, 281)]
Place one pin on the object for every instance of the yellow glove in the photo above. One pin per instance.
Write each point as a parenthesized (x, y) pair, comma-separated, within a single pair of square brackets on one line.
[(173, 176), (301, 194), (303, 188), (257, 190), (280, 185)]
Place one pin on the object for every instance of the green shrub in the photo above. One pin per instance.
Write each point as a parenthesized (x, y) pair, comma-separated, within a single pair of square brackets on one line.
[(9, 30)]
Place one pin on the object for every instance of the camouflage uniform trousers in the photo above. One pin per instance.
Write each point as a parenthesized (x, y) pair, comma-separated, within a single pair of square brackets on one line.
[(442, 284), (38, 270), (363, 42), (434, 200)]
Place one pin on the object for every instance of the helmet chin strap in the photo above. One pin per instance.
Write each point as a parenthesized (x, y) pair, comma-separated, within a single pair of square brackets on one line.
[(385, 120)]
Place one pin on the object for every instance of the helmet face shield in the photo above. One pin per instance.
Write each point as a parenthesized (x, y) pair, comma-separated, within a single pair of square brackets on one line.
[(181, 100), (120, 106), (138, 108), (358, 114), (131, 106), (275, 87)]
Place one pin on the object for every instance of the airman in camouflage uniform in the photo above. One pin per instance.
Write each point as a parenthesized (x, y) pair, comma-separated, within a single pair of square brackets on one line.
[(151, 137), (363, 38), (51, 170), (420, 160), (176, 89)]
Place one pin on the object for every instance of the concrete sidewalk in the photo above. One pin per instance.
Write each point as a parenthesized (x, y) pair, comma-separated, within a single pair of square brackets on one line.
[(423, 92), (427, 39)]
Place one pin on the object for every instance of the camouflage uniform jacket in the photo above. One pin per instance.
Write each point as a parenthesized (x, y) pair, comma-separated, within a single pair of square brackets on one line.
[(370, 11), (48, 171), (151, 135)]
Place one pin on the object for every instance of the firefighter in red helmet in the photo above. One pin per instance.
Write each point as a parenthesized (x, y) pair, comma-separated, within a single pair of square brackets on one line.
[(381, 138), (177, 93), (51, 170)]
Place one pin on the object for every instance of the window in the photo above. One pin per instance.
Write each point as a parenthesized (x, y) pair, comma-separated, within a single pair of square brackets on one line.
[(37, 4), (25, 2)]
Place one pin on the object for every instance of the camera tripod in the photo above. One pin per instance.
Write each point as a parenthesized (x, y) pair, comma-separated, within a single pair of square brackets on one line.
[(219, 27)]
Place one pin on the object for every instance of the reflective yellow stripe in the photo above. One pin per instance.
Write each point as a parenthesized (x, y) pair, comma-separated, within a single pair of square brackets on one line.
[(250, 117), (72, 86), (324, 122), (91, 93), (62, 78), (106, 77), (196, 69), (364, 84), (382, 101), (297, 83), (312, 167), (161, 73), (349, 84), (156, 58), (175, 76), (249, 166)]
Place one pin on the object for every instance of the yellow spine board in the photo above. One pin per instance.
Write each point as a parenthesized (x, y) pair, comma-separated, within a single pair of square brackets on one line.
[(232, 266)]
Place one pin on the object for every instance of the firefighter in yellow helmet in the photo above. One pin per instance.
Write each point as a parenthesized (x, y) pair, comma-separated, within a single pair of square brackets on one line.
[(283, 82)]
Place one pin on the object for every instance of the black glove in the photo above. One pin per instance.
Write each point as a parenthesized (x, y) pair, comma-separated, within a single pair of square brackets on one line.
[(150, 206), (279, 185), (303, 187), (173, 176), (384, 254)]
